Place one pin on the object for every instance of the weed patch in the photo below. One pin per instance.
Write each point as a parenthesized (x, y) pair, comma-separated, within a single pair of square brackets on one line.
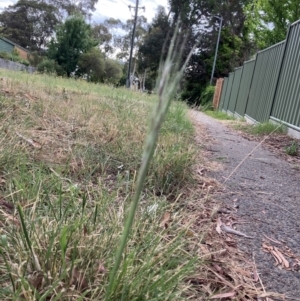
[(265, 128), (219, 115), (292, 149)]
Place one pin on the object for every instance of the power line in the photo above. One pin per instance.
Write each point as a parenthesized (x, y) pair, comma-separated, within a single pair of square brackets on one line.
[(125, 3)]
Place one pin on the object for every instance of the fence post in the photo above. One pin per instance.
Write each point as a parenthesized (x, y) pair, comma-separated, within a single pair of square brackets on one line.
[(217, 93), (250, 84), (280, 68)]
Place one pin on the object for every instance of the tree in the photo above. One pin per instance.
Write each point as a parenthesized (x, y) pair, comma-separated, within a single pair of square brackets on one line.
[(97, 68), (124, 42), (92, 64), (107, 34), (73, 38), (102, 34), (198, 21), (29, 23), (50, 67), (268, 20), (113, 71), (152, 50), (72, 7)]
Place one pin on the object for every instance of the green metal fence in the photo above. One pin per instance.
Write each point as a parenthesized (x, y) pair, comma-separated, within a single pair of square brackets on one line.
[(267, 87), (245, 84), (265, 76), (286, 105), (224, 87), (235, 89), (228, 91)]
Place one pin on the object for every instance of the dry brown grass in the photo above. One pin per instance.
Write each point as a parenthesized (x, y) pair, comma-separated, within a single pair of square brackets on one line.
[(74, 181), (68, 163), (91, 133)]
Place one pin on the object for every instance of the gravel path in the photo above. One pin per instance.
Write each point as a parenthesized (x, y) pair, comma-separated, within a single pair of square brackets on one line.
[(267, 190)]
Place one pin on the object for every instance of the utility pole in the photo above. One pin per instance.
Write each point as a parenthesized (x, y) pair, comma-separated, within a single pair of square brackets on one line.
[(128, 80), (217, 46)]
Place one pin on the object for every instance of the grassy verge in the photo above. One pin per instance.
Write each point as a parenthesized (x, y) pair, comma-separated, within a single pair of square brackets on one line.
[(277, 138), (259, 129), (69, 155), (219, 115)]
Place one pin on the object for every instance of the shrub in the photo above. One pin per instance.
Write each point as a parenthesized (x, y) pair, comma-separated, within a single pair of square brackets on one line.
[(47, 66), (15, 52), (113, 71), (13, 57), (35, 58), (92, 64), (191, 93), (97, 68), (24, 62), (4, 55), (207, 95)]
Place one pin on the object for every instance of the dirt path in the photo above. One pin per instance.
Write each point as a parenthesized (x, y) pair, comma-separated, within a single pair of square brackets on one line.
[(267, 191)]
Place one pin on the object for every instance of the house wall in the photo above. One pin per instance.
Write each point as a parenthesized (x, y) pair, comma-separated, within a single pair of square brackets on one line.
[(6, 47), (22, 53)]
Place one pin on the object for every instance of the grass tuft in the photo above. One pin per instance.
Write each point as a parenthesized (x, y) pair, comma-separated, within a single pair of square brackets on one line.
[(292, 149), (219, 115), (259, 129)]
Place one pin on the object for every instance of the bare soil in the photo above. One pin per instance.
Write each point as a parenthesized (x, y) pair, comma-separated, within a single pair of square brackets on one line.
[(264, 194)]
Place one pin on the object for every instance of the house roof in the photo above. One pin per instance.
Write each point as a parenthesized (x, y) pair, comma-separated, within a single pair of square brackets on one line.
[(12, 43)]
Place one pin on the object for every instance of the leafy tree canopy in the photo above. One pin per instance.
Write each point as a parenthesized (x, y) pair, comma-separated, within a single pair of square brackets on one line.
[(72, 7), (29, 23), (73, 38), (268, 20), (99, 69), (107, 33), (124, 42), (113, 71), (201, 25), (152, 50), (92, 65)]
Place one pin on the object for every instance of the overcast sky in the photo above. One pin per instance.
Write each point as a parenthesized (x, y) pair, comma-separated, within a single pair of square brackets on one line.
[(117, 9)]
